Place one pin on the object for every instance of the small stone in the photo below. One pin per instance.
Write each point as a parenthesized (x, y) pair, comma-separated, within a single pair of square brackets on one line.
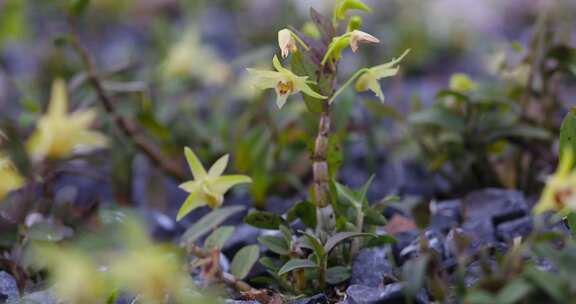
[(480, 232), (446, 215), (435, 242), (8, 288), (39, 297), (389, 294), (507, 231), (497, 205), (370, 267)]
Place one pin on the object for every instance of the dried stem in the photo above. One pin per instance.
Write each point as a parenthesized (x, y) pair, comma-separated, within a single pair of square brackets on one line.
[(228, 278), (130, 128), (325, 213)]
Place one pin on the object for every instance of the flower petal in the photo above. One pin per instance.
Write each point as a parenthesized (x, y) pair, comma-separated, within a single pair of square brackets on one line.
[(196, 167), (301, 85), (59, 99), (83, 119), (392, 62), (223, 183), (194, 200), (219, 166), (278, 66), (281, 99), (265, 79), (190, 186)]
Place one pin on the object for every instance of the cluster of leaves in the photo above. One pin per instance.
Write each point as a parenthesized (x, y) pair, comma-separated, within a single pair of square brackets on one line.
[(481, 138)]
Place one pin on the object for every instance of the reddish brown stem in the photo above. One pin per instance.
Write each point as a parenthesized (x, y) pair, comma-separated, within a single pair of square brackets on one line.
[(130, 128)]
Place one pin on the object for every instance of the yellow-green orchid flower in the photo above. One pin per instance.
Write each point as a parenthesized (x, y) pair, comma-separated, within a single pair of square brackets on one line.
[(286, 42), (462, 83), (283, 81), (10, 179), (368, 80), (560, 191), (207, 188), (58, 133), (352, 39)]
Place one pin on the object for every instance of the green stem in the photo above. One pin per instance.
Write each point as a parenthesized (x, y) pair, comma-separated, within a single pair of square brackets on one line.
[(346, 84), (302, 43), (333, 46)]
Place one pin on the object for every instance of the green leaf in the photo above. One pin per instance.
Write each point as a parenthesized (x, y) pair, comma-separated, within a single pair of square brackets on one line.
[(218, 238), (276, 244), (571, 219), (338, 274), (264, 220), (349, 195), (381, 240), (77, 7), (13, 20), (479, 297), (243, 261), (316, 244), (568, 134), (209, 222), (286, 232), (551, 283), (342, 236), (514, 292), (269, 263), (305, 211), (421, 213), (373, 217), (454, 94), (414, 272), (440, 117), (296, 264), (303, 66)]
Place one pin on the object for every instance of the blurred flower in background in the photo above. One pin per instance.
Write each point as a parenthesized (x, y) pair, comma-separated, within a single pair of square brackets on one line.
[(58, 133), (10, 178)]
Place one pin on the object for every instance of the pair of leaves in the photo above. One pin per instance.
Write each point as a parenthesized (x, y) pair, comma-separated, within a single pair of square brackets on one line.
[(321, 251), (209, 222)]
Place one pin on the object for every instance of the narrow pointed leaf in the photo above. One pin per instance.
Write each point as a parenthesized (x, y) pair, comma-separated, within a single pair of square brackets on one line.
[(296, 264), (342, 236)]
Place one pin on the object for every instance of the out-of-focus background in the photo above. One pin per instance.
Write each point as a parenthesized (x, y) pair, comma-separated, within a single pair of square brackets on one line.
[(178, 68)]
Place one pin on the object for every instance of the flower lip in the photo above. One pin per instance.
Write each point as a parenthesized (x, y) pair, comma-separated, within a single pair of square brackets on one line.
[(285, 88)]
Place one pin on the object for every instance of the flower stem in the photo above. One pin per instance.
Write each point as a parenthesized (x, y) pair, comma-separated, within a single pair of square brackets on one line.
[(346, 84), (324, 211)]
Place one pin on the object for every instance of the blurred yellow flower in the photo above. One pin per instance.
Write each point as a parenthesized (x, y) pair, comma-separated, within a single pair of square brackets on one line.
[(462, 83), (207, 188), (369, 79), (76, 278), (58, 133), (10, 178), (189, 57), (283, 81), (559, 194)]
